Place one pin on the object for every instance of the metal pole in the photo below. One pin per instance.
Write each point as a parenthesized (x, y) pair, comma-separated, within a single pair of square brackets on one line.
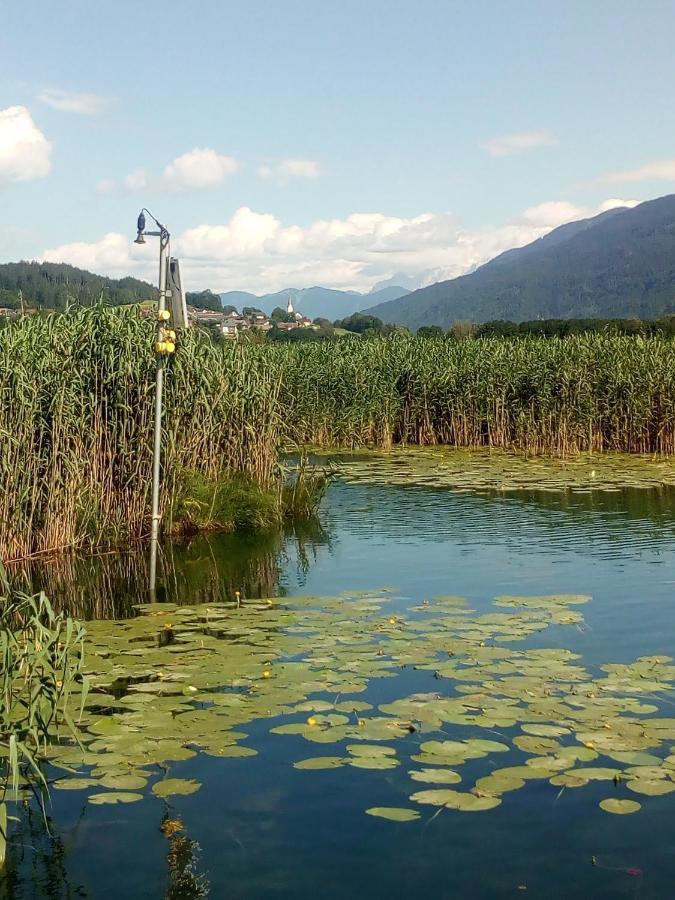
[(159, 387)]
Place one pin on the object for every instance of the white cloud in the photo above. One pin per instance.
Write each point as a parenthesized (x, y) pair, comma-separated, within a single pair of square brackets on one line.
[(25, 153), (616, 203), (286, 169), (554, 213), (659, 170), (257, 252), (507, 144), (199, 168), (69, 101)]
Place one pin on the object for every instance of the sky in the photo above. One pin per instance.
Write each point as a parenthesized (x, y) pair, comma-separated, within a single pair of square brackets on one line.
[(290, 143)]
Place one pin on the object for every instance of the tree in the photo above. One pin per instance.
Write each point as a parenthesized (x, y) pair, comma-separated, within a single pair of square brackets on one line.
[(430, 331), (204, 300), (252, 311), (280, 315), (361, 323)]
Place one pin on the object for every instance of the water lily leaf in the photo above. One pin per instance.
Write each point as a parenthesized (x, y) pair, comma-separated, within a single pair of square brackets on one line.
[(395, 814), (488, 746), (596, 774), (320, 762), (652, 787), (435, 776), (542, 730), (569, 781), (472, 802), (434, 797), (375, 762), (113, 797), (635, 759), (126, 782), (498, 784), (170, 787), (74, 784), (370, 750), (619, 807)]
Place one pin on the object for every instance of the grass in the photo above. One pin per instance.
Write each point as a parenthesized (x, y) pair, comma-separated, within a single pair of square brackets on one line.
[(76, 415)]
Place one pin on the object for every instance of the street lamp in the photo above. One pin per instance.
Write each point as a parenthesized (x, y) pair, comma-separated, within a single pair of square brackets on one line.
[(164, 344)]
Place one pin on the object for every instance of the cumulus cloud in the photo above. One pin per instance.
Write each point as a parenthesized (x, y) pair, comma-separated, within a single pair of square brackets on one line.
[(199, 168), (25, 153), (659, 170), (257, 252), (286, 169), (507, 144), (69, 101)]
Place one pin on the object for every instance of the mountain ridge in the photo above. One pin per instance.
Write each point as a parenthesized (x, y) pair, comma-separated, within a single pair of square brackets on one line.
[(314, 302), (619, 263)]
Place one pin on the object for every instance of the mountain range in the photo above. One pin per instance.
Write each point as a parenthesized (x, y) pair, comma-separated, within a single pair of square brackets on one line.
[(315, 302), (617, 264)]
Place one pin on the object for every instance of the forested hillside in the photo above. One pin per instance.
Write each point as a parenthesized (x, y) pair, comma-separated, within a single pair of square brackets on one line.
[(618, 264), (55, 285)]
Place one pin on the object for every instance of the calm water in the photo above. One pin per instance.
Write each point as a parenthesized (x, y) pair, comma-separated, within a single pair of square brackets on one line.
[(266, 830)]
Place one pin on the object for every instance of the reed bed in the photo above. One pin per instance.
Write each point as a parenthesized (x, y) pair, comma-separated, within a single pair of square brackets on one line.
[(76, 424), (76, 410), (555, 396)]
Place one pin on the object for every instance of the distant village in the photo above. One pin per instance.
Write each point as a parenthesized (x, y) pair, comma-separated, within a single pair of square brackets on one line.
[(230, 323)]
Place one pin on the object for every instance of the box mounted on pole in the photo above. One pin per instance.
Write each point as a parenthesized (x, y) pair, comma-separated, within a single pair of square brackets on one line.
[(179, 312)]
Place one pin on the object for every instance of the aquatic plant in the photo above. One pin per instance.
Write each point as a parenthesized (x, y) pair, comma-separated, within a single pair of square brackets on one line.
[(76, 420), (179, 681), (41, 658), (76, 412)]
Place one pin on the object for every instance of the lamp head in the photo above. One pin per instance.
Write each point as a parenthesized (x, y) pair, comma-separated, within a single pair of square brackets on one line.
[(140, 228)]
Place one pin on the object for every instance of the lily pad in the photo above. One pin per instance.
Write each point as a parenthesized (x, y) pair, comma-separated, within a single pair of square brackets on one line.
[(321, 762), (171, 787), (114, 797), (619, 807), (393, 813)]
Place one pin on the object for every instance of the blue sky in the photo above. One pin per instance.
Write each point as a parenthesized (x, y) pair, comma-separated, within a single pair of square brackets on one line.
[(292, 143)]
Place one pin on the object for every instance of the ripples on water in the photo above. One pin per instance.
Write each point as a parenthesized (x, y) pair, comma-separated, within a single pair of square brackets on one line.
[(269, 832)]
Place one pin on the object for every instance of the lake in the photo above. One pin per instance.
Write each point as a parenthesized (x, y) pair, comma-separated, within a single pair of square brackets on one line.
[(258, 827)]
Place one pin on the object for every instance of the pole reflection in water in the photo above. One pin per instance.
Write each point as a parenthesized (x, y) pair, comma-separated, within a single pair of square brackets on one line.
[(207, 568)]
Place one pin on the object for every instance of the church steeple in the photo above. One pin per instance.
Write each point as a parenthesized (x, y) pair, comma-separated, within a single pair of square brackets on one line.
[(289, 307)]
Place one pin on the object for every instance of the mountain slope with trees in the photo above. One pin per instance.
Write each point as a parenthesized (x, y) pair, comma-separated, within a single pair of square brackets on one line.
[(55, 285), (618, 264)]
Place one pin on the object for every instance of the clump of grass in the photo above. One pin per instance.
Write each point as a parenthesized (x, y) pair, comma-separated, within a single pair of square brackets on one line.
[(42, 656), (231, 504), (303, 490)]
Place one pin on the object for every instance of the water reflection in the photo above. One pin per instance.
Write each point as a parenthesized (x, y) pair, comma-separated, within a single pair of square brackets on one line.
[(596, 523), (253, 814), (214, 567), (206, 568)]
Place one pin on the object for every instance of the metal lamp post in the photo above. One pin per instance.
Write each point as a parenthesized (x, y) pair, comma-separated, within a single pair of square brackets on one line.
[(161, 344)]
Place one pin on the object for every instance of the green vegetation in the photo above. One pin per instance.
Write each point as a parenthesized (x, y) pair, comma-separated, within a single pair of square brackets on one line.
[(616, 264), (76, 415), (204, 300), (76, 423), (42, 662), (565, 327), (57, 285), (540, 395), (158, 698)]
